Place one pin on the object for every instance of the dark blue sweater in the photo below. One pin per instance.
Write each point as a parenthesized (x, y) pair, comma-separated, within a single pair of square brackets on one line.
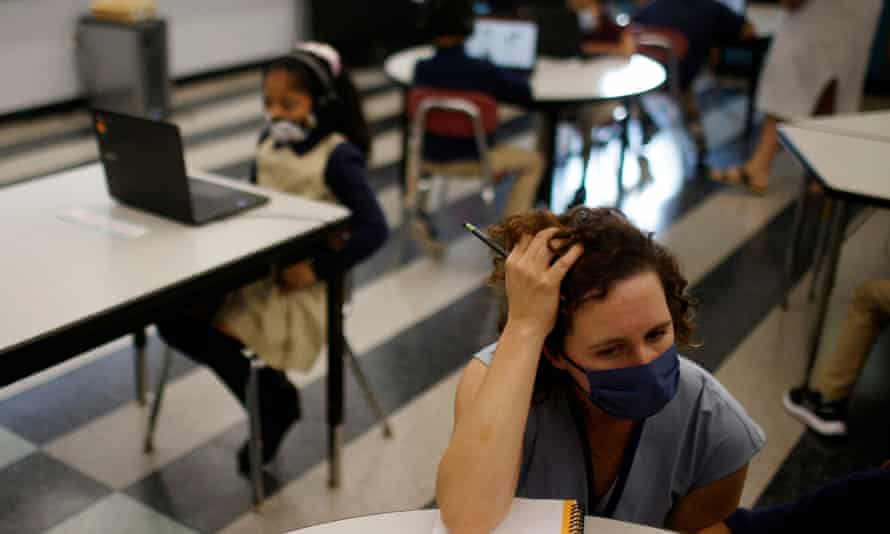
[(451, 68), (346, 175), (856, 503)]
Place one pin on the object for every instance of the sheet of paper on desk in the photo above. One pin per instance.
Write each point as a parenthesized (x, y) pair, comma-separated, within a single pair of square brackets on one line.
[(103, 223), (536, 516)]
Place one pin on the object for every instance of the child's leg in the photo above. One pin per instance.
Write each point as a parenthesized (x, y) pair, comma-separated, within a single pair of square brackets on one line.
[(279, 398), (869, 311), (530, 166), (205, 344)]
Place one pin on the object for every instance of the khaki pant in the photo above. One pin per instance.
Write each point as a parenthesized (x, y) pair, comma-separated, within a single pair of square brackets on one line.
[(528, 163), (869, 311)]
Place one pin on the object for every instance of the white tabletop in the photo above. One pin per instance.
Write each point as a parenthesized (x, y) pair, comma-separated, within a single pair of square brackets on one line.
[(56, 273), (872, 124), (562, 80), (423, 521), (844, 162)]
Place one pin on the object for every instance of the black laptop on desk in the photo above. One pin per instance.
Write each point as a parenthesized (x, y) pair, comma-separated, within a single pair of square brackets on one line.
[(145, 169)]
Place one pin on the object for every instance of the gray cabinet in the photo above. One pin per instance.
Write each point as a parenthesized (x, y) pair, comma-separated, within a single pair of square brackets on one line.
[(124, 67)]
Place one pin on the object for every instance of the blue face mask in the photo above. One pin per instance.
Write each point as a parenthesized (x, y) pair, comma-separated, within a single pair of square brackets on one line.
[(635, 392)]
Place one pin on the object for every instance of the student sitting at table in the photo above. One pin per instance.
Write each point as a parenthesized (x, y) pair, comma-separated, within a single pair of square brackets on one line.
[(821, 404), (705, 24), (585, 395), (450, 22), (314, 145)]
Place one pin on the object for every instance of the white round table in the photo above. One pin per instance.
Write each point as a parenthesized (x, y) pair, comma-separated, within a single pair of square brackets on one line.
[(558, 84), (423, 521), (561, 81)]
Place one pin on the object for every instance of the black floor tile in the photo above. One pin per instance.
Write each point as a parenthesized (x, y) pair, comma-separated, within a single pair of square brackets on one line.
[(38, 492), (737, 294)]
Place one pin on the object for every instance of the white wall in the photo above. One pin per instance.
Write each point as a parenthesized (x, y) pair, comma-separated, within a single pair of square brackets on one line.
[(37, 57)]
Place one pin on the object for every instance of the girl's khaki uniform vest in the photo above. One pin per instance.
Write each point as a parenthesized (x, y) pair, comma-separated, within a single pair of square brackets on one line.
[(286, 329)]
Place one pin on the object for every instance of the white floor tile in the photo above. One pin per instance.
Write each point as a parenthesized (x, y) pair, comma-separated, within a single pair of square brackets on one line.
[(379, 475), (119, 514), (13, 448), (196, 408)]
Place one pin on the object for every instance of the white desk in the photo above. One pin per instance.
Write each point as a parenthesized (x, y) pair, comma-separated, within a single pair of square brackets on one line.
[(557, 84), (423, 521), (68, 287), (849, 155)]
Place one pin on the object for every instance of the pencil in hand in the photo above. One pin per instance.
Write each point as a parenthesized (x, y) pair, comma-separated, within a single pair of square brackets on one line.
[(485, 239)]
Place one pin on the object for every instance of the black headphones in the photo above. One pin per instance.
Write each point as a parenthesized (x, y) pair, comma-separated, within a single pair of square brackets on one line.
[(322, 74)]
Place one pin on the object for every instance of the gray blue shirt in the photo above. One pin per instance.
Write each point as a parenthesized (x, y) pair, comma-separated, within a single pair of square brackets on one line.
[(700, 436)]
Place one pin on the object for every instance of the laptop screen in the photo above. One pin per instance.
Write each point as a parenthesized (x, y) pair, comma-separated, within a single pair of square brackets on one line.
[(511, 44)]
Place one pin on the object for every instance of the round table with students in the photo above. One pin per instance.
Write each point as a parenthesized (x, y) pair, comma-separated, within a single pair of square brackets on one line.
[(558, 84)]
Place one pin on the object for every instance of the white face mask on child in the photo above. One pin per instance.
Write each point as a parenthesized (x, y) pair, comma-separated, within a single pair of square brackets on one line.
[(284, 131)]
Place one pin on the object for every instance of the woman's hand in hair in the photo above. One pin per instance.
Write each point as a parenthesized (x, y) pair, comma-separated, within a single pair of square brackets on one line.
[(533, 283)]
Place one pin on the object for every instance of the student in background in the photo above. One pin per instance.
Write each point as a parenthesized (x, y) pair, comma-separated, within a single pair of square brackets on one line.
[(450, 23), (706, 24), (585, 396), (822, 405), (314, 145), (815, 65)]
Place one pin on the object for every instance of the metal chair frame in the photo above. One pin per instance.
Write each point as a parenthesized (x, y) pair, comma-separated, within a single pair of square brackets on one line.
[(415, 189), (255, 445)]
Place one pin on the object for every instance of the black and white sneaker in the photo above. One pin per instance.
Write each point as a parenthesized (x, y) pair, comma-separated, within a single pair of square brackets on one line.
[(825, 418)]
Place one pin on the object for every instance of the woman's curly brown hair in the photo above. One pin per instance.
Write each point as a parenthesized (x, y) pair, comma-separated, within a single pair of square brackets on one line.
[(614, 250)]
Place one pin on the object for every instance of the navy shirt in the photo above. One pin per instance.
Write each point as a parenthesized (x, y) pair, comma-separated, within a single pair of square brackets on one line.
[(346, 176), (856, 503), (451, 68), (705, 23)]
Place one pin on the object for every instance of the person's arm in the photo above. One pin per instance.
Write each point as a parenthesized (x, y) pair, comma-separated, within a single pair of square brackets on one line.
[(346, 175), (708, 504), (855, 503), (511, 88), (479, 472)]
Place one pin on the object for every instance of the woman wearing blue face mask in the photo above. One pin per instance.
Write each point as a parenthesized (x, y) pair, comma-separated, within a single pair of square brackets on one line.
[(585, 395)]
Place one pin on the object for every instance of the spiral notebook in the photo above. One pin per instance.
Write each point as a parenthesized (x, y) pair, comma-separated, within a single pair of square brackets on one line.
[(537, 516)]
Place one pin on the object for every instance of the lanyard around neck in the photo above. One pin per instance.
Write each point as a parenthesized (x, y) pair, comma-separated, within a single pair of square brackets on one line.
[(630, 453)]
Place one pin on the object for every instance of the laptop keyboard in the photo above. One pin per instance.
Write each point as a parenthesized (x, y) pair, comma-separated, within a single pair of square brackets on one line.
[(210, 200), (202, 189)]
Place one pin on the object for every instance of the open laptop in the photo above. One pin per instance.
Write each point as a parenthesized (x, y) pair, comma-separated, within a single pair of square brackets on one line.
[(508, 43), (145, 169)]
